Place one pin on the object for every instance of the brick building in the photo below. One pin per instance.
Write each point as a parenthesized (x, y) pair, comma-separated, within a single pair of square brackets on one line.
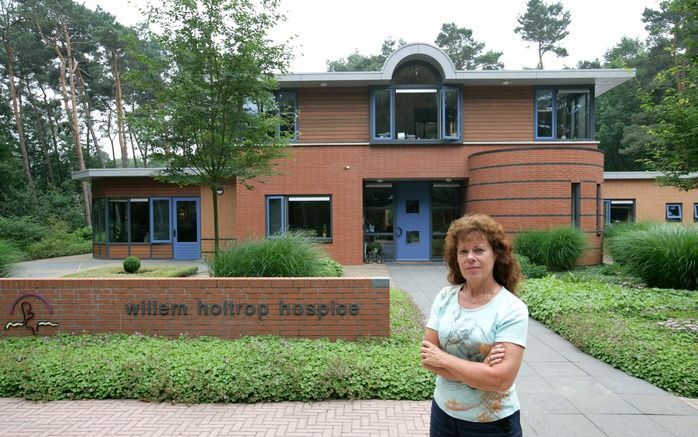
[(383, 161)]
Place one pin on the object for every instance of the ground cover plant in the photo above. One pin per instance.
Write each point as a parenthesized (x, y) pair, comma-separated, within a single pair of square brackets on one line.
[(149, 271), (193, 370), (37, 240), (646, 332), (556, 249), (663, 255), (8, 256), (288, 255)]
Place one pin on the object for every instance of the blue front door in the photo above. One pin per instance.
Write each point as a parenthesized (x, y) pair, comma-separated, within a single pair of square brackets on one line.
[(412, 221), (186, 229)]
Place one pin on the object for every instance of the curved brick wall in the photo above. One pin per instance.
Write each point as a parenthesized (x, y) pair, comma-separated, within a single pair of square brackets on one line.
[(531, 188)]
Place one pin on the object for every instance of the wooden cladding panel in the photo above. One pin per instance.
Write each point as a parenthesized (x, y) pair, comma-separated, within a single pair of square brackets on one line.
[(162, 251), (137, 187), (118, 251), (498, 114), (333, 115), (141, 251)]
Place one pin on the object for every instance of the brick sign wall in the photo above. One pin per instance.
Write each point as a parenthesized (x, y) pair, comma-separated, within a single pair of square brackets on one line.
[(334, 308)]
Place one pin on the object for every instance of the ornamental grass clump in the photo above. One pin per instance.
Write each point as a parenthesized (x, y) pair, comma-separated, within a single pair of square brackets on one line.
[(8, 256), (556, 249), (286, 256), (663, 255)]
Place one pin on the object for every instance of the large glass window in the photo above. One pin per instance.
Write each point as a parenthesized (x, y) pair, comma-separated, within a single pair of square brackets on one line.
[(161, 220), (309, 214), (118, 221), (140, 220), (379, 244), (445, 207), (619, 211), (286, 101), (563, 114), (99, 221), (416, 107)]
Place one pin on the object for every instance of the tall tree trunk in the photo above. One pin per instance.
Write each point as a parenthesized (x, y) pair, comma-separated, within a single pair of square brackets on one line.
[(69, 65), (17, 110), (52, 124), (119, 110), (133, 149), (111, 138), (41, 130), (88, 121)]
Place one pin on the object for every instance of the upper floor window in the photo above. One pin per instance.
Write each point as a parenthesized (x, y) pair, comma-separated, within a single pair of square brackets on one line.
[(288, 112), (416, 107), (563, 114)]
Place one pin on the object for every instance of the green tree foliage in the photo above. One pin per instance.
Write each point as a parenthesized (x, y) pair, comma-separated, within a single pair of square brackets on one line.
[(673, 144), (465, 51), (545, 25), (220, 81), (359, 62)]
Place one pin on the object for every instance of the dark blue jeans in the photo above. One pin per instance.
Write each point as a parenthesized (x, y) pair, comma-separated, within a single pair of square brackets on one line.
[(443, 425)]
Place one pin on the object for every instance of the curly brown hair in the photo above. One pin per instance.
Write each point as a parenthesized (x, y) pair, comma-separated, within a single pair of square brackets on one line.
[(506, 272)]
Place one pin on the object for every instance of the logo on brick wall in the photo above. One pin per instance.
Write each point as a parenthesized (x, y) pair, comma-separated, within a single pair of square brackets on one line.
[(31, 314)]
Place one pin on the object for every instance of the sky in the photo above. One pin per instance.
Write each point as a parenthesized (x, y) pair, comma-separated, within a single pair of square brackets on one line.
[(325, 30)]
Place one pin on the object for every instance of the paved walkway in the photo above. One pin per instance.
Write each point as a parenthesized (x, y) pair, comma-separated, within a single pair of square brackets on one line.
[(564, 393)]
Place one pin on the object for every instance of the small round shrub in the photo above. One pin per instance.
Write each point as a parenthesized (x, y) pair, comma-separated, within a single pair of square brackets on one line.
[(132, 264), (331, 268), (529, 269), (8, 256), (557, 249), (663, 255)]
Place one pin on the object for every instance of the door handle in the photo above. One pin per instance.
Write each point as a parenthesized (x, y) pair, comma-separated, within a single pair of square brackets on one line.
[(398, 234)]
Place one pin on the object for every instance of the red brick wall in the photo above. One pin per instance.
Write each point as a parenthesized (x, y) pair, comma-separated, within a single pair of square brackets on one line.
[(530, 188), (99, 305)]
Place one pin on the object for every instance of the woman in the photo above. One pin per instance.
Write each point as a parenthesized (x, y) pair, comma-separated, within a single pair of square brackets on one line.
[(476, 334)]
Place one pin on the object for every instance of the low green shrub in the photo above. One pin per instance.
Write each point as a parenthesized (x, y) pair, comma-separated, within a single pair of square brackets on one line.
[(59, 242), (644, 332), (23, 231), (556, 249), (196, 370), (8, 256), (132, 264), (530, 270), (663, 255), (331, 268), (289, 255), (613, 229)]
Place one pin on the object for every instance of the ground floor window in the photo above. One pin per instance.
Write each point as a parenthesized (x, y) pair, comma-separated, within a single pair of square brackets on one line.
[(308, 214), (674, 212), (619, 211), (137, 220)]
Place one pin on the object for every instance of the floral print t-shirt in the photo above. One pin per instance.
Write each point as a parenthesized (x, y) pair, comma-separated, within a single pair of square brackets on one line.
[(470, 334)]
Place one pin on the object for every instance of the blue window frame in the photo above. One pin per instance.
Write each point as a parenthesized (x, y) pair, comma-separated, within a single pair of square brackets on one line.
[(674, 212), (695, 212), (298, 213), (409, 114), (564, 113)]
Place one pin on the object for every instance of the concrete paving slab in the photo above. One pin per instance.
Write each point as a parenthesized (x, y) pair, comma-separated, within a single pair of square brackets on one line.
[(659, 404), (679, 426), (534, 384), (619, 425), (622, 383), (556, 368), (601, 404), (577, 385), (546, 404), (568, 425)]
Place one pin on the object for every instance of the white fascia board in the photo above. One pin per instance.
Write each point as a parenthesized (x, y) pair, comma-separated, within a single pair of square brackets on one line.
[(94, 173), (628, 175), (603, 80)]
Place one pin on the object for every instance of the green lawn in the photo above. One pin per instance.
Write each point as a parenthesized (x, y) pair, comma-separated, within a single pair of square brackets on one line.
[(145, 272)]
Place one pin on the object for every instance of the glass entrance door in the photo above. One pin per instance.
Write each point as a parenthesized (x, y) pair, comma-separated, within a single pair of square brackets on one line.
[(412, 227), (186, 238)]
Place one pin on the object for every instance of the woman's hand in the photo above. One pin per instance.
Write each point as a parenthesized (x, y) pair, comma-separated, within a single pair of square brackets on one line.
[(432, 355), (495, 356)]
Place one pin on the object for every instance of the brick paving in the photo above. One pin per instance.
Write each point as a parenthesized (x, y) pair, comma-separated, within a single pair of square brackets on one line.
[(20, 417)]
